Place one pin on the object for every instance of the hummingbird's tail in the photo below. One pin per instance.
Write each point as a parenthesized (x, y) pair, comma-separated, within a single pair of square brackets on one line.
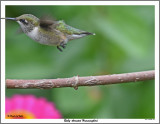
[(88, 33), (79, 35)]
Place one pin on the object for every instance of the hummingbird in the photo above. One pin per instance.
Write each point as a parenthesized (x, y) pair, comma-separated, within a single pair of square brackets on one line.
[(47, 31)]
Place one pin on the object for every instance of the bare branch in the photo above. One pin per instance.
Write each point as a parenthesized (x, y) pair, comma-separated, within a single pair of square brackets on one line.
[(81, 81)]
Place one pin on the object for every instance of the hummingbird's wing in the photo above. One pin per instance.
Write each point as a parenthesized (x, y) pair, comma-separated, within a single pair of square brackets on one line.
[(46, 24), (48, 17)]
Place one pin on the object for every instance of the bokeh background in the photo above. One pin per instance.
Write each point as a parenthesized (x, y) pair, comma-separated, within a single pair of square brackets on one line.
[(124, 42)]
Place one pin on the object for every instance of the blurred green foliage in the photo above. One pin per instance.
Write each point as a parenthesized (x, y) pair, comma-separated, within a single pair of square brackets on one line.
[(124, 42)]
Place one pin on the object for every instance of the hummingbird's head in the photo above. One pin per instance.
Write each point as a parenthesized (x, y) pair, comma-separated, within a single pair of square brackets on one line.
[(27, 22)]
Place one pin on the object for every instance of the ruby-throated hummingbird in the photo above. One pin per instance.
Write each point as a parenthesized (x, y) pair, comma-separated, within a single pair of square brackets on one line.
[(48, 32)]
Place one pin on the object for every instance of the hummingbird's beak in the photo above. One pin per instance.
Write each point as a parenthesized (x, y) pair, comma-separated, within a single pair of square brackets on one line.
[(10, 18)]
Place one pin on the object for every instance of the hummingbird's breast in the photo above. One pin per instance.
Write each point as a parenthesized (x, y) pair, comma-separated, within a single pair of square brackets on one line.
[(33, 33), (44, 37)]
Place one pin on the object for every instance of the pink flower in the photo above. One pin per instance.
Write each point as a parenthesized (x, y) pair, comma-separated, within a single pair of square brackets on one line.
[(30, 107)]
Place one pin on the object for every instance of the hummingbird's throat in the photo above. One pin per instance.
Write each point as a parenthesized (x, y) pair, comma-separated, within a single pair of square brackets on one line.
[(33, 33), (26, 28)]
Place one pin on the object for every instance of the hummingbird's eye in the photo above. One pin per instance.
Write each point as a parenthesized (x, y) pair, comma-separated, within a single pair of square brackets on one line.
[(23, 21)]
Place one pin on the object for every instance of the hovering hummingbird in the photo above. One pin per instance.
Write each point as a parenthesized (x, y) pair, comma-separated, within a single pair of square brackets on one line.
[(48, 32)]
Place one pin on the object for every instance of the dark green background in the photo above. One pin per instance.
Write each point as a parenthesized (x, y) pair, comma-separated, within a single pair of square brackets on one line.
[(124, 42)]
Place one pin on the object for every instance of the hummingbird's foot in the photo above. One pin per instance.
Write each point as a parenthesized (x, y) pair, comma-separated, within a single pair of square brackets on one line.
[(59, 49), (63, 45)]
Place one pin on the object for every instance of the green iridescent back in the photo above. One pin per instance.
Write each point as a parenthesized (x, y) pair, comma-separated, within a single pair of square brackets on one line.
[(61, 26)]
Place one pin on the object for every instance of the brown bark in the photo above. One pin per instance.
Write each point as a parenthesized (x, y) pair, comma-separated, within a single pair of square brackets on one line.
[(81, 81)]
